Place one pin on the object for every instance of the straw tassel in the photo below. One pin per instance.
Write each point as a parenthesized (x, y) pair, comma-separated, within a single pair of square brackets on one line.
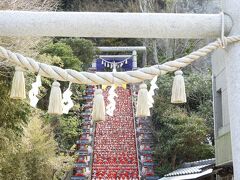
[(55, 99), (98, 113), (142, 102), (178, 89), (18, 84)]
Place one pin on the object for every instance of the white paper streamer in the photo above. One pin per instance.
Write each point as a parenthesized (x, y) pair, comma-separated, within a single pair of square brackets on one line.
[(35, 91), (90, 150), (151, 92), (67, 102), (112, 103), (87, 172)]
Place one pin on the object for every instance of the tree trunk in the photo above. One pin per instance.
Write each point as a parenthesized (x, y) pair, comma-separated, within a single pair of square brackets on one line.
[(155, 53), (144, 58), (173, 160)]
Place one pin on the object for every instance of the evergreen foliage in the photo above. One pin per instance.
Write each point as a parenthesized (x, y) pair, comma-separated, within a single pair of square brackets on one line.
[(83, 49), (67, 53), (182, 132), (13, 113), (64, 52), (32, 156), (28, 147)]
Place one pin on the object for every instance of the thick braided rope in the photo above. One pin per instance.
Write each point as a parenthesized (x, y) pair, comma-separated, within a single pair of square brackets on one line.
[(108, 78)]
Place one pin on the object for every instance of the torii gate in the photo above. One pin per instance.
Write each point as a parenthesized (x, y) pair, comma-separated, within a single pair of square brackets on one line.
[(141, 25)]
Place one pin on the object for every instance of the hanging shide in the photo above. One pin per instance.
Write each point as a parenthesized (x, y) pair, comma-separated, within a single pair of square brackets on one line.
[(67, 102), (32, 94), (55, 99), (83, 77), (151, 91), (178, 89), (18, 84), (111, 98)]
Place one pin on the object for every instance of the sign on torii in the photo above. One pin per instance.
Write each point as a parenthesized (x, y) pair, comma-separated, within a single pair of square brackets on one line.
[(141, 25)]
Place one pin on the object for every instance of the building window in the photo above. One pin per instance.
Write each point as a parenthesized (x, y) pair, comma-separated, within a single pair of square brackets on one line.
[(218, 117)]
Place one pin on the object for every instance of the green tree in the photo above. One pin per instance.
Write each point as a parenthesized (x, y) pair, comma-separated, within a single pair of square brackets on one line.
[(64, 52), (66, 127), (13, 113), (182, 131), (83, 49), (38, 146), (199, 92), (11, 164), (33, 156)]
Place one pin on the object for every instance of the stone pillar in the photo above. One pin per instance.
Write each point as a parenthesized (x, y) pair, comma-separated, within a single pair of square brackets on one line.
[(94, 64), (134, 53), (124, 25), (232, 66)]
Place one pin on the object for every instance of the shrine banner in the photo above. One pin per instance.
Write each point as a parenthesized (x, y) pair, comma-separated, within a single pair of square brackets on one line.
[(126, 66)]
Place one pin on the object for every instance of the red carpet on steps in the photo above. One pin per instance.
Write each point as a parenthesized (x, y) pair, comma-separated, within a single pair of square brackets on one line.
[(115, 154)]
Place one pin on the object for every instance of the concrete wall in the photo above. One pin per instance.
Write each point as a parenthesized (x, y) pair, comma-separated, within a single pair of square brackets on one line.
[(223, 149)]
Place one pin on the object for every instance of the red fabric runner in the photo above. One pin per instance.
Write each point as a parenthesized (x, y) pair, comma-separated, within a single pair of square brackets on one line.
[(115, 154)]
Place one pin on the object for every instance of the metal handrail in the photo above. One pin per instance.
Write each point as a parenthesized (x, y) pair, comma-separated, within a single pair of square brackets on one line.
[(135, 132)]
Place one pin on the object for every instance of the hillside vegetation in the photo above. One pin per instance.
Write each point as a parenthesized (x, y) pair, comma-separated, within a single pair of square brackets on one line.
[(34, 145)]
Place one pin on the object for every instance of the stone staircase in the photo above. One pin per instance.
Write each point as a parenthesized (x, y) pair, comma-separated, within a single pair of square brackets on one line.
[(119, 148), (83, 164), (115, 153)]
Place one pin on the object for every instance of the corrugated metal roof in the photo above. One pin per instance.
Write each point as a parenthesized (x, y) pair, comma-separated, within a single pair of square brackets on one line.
[(189, 170), (198, 163), (189, 176), (192, 167)]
